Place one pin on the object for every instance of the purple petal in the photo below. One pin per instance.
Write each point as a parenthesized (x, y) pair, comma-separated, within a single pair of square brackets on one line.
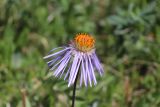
[(67, 64), (87, 70), (76, 72), (62, 66), (57, 53), (92, 71), (74, 69), (55, 49), (67, 72), (97, 64), (50, 63), (66, 55), (74, 64), (83, 71)]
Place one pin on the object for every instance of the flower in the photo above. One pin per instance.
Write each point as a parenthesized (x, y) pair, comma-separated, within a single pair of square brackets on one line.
[(78, 58)]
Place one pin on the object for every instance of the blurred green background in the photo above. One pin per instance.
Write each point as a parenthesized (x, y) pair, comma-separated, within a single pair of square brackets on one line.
[(127, 36)]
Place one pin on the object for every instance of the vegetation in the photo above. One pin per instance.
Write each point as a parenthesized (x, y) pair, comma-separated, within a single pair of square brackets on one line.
[(127, 36)]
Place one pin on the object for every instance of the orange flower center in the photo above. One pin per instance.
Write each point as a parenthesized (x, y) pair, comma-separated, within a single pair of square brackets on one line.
[(84, 42)]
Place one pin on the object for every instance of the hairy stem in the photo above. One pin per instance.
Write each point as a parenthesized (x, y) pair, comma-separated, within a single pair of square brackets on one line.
[(74, 91)]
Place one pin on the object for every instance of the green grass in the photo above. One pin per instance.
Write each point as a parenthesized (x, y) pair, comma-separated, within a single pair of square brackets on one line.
[(127, 36)]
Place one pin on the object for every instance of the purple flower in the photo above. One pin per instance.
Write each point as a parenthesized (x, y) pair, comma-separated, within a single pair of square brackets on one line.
[(78, 58)]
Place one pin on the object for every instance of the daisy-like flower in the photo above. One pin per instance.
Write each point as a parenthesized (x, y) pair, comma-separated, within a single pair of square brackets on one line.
[(76, 60)]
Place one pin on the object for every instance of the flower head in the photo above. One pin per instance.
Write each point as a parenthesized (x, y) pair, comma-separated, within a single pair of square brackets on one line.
[(78, 59), (84, 42)]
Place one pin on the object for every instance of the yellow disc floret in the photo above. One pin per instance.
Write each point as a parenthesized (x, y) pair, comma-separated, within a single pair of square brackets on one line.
[(84, 42)]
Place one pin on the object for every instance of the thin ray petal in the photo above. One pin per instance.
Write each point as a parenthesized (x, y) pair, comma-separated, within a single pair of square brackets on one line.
[(56, 49), (74, 65), (67, 73), (77, 70), (66, 55), (87, 71), (53, 61), (83, 71), (57, 53), (97, 64), (62, 66), (92, 71)]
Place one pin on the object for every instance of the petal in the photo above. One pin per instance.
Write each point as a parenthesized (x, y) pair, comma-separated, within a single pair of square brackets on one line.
[(74, 69), (97, 64), (67, 72), (76, 72), (92, 71), (65, 56), (55, 49), (83, 71), (62, 66), (87, 71), (53, 61), (74, 64), (57, 53), (67, 64)]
